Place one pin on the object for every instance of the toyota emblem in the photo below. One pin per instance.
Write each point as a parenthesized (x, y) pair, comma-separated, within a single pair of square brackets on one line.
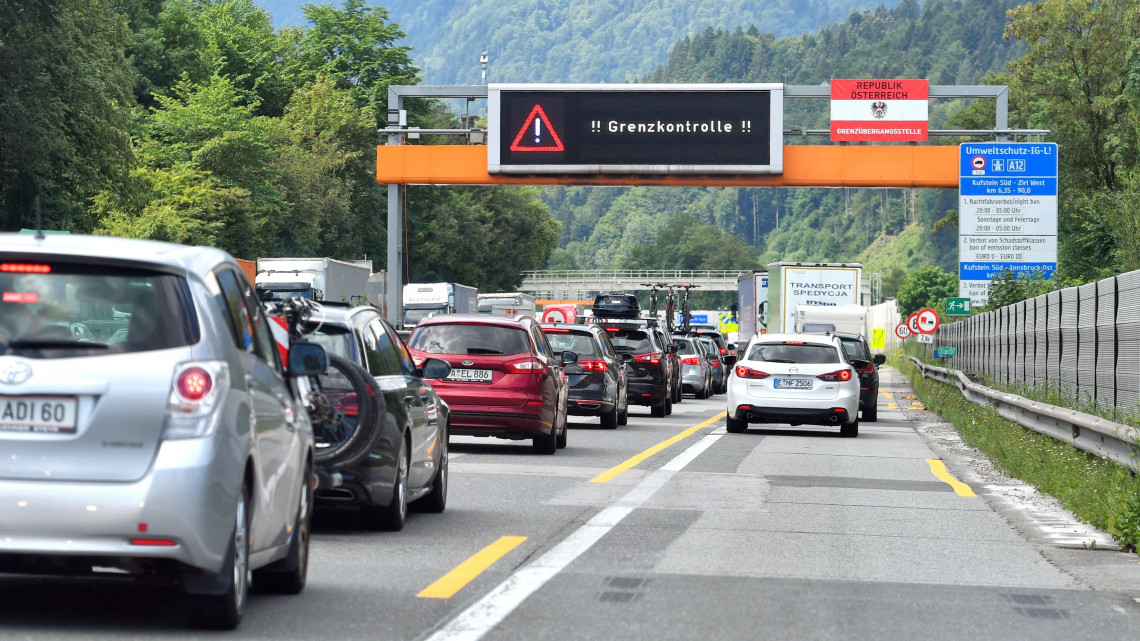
[(14, 372)]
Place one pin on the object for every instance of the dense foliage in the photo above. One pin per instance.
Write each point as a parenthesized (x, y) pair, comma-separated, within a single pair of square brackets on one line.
[(196, 121), (574, 41)]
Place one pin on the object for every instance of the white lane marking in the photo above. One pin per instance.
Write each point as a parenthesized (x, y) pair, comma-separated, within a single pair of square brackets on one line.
[(482, 616)]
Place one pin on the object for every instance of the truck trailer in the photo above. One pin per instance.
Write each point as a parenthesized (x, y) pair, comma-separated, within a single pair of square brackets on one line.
[(824, 284), (752, 300), (319, 279)]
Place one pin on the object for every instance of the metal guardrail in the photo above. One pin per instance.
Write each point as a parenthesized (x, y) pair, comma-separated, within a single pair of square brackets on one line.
[(1102, 437)]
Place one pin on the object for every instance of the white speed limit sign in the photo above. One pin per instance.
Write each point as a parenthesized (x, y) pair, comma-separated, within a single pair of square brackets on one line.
[(902, 331)]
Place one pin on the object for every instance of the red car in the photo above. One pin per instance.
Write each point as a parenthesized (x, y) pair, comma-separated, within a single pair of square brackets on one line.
[(505, 380)]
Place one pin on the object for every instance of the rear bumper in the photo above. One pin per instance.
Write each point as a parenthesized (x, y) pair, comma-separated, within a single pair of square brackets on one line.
[(647, 393), (508, 422), (589, 399), (794, 415)]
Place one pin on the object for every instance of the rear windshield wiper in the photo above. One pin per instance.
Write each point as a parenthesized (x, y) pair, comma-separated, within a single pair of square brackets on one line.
[(483, 350), (30, 343), (779, 360)]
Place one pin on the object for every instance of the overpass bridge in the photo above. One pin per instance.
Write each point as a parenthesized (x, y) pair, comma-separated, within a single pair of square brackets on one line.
[(585, 283)]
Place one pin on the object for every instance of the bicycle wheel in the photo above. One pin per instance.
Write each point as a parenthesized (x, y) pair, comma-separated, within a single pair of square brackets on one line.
[(346, 410)]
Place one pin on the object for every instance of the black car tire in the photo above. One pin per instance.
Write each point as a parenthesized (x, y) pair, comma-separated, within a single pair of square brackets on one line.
[(849, 430), (609, 419), (657, 410), (224, 611), (391, 517), (435, 501), (677, 395), (288, 575), (871, 414), (623, 415), (546, 443), (668, 405), (560, 441), (734, 425)]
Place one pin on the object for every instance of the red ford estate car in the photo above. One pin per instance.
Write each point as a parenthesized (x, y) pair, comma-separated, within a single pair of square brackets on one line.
[(505, 380)]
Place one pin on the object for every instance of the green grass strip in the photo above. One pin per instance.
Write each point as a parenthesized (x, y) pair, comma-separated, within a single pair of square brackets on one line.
[(1099, 491)]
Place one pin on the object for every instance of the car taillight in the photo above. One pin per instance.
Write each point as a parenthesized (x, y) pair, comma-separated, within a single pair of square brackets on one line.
[(194, 394), (723, 351), (525, 367), (839, 375), (593, 366), (652, 357), (691, 360), (194, 383), (25, 268), (869, 369), (347, 403), (748, 372)]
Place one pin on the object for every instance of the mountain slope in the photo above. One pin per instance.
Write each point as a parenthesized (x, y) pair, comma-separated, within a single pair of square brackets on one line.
[(572, 41)]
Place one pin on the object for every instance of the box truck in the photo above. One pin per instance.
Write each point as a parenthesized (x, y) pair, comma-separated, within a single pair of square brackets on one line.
[(819, 319), (824, 284), (319, 279), (508, 304), (424, 299)]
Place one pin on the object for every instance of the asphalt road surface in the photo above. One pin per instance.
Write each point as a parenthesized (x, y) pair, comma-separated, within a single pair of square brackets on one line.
[(783, 533)]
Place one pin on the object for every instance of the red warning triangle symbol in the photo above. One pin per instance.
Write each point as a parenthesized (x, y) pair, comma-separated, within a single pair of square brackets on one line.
[(537, 127)]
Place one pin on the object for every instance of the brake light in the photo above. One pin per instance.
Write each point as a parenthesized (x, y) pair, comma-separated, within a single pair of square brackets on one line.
[(747, 372), (613, 329), (555, 330), (21, 297), (793, 342), (840, 375), (154, 542), (723, 351), (652, 357), (691, 360), (194, 383), (25, 268), (870, 369), (593, 366), (524, 367)]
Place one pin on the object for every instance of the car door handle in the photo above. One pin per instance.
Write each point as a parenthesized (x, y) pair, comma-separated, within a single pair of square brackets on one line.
[(250, 381)]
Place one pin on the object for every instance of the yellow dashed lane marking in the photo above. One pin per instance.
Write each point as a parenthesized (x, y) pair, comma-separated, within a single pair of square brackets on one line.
[(887, 394), (939, 470), (633, 461), (447, 585)]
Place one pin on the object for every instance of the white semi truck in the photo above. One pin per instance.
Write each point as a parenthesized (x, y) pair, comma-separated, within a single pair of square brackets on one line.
[(424, 299), (320, 279), (752, 301)]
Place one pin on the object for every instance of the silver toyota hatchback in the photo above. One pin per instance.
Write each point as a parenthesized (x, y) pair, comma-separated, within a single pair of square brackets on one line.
[(147, 424)]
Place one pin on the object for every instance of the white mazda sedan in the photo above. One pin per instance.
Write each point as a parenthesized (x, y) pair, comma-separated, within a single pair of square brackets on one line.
[(794, 379)]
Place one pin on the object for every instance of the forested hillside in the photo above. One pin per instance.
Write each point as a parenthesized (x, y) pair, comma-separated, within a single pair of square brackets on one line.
[(945, 41), (573, 40)]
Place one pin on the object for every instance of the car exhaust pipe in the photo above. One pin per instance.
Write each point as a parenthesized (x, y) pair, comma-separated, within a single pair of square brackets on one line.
[(834, 418)]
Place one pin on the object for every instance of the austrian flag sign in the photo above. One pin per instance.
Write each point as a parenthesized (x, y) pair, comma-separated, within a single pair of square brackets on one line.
[(880, 110)]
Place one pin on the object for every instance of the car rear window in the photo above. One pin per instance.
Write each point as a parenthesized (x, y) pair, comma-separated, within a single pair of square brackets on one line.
[(52, 309), (580, 344), (854, 349), (635, 340), (470, 339), (793, 353), (684, 347), (334, 338)]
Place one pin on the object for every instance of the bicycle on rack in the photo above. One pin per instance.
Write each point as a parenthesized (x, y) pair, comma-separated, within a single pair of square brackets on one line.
[(686, 310), (670, 308), (344, 404)]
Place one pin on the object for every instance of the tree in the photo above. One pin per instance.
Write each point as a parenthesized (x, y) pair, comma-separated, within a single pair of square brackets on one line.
[(355, 46), (926, 286), (1011, 287), (65, 103)]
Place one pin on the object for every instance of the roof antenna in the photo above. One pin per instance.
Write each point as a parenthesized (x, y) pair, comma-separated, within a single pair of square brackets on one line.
[(39, 220)]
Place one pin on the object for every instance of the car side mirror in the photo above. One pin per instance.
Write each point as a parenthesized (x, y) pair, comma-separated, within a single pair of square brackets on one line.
[(860, 364), (626, 357), (306, 359), (569, 357), (879, 359), (435, 368), (671, 349), (712, 359), (731, 347)]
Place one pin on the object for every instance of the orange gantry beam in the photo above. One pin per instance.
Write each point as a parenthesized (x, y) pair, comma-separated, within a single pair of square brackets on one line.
[(804, 166)]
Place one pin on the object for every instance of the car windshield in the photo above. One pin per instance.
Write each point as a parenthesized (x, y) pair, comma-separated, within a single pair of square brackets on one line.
[(580, 344), (64, 309), (803, 353), (470, 339)]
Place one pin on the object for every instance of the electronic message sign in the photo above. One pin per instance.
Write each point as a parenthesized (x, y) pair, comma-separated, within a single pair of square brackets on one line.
[(635, 129)]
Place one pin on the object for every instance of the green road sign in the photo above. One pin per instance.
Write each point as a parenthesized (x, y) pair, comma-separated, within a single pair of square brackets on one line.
[(945, 352), (958, 306)]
